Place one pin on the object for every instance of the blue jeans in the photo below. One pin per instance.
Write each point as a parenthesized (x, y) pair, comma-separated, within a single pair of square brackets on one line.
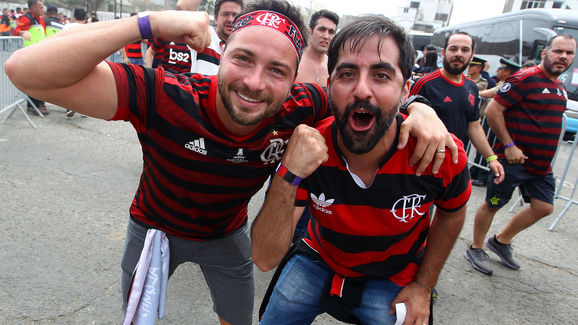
[(296, 297), (136, 61)]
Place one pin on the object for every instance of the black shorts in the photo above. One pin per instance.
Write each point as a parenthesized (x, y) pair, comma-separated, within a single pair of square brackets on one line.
[(532, 185)]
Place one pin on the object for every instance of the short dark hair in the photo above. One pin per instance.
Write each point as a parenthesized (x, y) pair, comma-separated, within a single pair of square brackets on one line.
[(431, 59), (371, 25), (566, 36), (280, 6), (431, 48), (52, 9), (31, 3), (460, 33), (79, 14), (323, 13), (527, 64), (218, 4)]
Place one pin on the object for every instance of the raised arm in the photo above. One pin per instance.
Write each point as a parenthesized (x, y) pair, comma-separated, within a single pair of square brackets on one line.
[(82, 82), (273, 228), (149, 57)]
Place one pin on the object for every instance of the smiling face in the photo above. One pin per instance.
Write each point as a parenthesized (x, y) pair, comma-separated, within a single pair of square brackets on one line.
[(366, 88), (256, 74), (458, 54), (322, 35)]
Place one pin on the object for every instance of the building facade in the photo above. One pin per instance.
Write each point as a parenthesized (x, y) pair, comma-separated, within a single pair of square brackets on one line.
[(424, 15)]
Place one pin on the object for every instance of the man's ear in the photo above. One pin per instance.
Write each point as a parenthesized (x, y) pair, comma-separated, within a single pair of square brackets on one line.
[(405, 91)]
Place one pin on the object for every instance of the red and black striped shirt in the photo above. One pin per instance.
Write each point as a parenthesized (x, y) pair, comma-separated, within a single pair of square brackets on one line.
[(197, 178), (134, 50), (456, 104), (176, 57), (380, 230), (534, 109)]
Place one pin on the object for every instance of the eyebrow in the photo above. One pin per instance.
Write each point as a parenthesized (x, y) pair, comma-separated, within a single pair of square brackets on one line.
[(252, 54), (377, 66)]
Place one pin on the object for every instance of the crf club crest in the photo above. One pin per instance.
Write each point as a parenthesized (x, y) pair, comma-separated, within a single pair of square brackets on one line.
[(408, 207), (472, 99), (273, 153)]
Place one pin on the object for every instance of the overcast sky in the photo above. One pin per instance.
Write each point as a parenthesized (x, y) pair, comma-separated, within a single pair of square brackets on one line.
[(464, 10)]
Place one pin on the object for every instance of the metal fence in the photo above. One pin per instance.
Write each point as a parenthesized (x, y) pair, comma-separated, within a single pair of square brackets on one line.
[(12, 99)]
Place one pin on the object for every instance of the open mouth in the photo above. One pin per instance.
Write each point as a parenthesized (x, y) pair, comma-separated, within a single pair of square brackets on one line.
[(361, 120)]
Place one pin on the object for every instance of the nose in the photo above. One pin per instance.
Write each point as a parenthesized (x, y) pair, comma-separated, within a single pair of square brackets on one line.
[(362, 88), (254, 80)]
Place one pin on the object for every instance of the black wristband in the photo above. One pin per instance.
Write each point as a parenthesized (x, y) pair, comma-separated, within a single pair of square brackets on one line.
[(411, 99), (288, 176)]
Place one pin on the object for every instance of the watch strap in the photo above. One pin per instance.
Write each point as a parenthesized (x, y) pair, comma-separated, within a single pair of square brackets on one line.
[(411, 99)]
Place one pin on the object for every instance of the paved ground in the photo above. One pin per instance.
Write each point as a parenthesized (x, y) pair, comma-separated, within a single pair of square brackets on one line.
[(66, 188)]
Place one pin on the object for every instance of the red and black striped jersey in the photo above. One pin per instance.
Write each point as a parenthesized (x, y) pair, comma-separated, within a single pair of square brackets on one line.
[(534, 111), (455, 104), (176, 57), (134, 50), (378, 230), (197, 178)]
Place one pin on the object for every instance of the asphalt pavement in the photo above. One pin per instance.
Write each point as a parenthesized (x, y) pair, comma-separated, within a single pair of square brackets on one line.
[(66, 188)]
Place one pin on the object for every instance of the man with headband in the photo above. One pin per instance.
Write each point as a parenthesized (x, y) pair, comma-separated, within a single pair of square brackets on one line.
[(209, 142)]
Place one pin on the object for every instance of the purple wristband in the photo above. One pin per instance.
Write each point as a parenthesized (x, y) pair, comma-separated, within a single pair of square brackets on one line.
[(509, 145), (144, 25)]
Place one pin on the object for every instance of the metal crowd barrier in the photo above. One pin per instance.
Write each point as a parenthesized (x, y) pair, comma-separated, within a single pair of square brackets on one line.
[(116, 57), (570, 199), (11, 98), (478, 162)]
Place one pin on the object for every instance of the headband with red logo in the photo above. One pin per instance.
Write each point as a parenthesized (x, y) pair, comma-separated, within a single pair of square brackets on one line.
[(275, 20)]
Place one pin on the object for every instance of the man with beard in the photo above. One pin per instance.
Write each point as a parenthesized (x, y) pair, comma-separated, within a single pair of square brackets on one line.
[(526, 116), (313, 66), (369, 243), (454, 97), (209, 143)]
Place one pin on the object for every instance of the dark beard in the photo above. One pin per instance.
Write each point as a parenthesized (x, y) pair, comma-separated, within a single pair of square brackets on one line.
[(360, 143), (549, 66), (229, 106), (454, 71)]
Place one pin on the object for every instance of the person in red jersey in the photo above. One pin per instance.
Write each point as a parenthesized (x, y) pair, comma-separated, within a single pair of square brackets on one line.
[(209, 142), (369, 244), (526, 116), (32, 28)]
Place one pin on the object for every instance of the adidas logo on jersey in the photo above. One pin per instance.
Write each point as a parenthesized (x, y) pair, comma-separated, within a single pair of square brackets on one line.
[(448, 99), (545, 91), (320, 203), (197, 146)]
